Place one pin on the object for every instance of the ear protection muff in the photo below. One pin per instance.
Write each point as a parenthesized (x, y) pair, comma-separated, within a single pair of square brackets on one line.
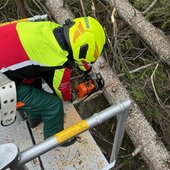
[(68, 22), (83, 51), (66, 26)]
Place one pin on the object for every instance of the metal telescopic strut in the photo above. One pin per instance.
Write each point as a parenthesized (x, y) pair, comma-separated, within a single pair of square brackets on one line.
[(31, 19), (120, 109)]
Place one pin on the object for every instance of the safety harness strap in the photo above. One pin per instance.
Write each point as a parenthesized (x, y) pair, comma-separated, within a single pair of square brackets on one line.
[(7, 100)]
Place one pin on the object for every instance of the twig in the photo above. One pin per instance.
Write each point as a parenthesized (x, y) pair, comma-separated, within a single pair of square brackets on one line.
[(116, 51), (93, 8), (114, 25), (150, 7), (137, 69), (114, 22), (4, 5), (162, 128), (98, 135), (46, 11), (141, 52), (82, 6), (28, 8), (103, 5), (152, 81), (34, 1), (137, 150), (5, 19)]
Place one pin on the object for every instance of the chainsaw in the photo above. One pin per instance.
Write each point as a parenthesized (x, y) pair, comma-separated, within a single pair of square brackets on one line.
[(89, 86)]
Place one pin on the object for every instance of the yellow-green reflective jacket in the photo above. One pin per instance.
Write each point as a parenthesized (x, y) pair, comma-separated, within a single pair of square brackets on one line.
[(30, 50)]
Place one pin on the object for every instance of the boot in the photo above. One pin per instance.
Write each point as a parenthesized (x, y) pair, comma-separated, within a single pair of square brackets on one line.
[(34, 122)]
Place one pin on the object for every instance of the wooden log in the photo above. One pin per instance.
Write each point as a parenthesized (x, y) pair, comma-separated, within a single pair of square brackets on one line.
[(138, 128), (154, 37)]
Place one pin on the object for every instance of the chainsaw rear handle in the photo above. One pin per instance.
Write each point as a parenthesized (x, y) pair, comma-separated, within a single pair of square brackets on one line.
[(92, 75), (100, 81)]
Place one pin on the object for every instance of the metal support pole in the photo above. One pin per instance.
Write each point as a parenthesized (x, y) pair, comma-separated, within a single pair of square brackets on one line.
[(68, 133), (119, 134), (120, 129), (31, 19)]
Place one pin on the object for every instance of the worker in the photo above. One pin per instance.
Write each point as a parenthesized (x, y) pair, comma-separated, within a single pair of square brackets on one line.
[(47, 50)]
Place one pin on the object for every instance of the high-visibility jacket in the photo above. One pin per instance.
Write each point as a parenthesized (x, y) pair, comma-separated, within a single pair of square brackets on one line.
[(30, 50)]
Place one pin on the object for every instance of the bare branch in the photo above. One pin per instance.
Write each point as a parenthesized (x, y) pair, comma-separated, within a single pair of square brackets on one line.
[(138, 69), (150, 7)]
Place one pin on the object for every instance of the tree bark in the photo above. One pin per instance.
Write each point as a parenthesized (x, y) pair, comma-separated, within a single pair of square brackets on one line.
[(58, 11), (154, 37), (139, 130), (21, 8)]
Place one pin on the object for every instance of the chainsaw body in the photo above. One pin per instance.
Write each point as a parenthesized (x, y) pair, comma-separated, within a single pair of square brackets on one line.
[(89, 86)]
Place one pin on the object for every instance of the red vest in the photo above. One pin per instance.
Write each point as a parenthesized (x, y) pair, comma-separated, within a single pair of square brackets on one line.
[(10, 47)]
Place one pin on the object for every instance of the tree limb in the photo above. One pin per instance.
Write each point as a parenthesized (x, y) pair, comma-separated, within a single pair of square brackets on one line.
[(154, 37)]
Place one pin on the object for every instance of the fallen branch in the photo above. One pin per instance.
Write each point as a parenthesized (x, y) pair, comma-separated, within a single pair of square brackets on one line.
[(153, 85), (6, 3), (150, 7), (137, 150), (154, 37), (137, 69)]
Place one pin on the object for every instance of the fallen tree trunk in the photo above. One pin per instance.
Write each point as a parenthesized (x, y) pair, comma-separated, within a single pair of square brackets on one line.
[(156, 39), (139, 130), (59, 10)]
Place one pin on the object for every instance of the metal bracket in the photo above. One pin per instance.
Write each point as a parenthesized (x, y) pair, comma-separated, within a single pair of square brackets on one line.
[(10, 156), (119, 110), (120, 129), (7, 100)]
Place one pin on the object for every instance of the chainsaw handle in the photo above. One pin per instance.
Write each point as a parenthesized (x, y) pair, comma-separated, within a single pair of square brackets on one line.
[(73, 95), (100, 81), (99, 76)]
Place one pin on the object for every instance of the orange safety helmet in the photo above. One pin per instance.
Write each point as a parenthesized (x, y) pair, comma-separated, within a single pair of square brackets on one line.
[(85, 37)]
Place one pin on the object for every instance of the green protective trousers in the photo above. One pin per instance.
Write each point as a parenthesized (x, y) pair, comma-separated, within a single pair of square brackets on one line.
[(42, 105)]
